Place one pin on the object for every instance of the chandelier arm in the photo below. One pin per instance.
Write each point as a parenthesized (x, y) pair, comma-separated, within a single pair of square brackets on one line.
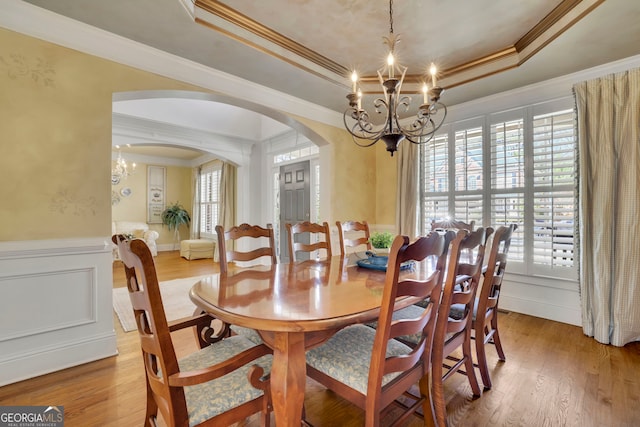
[(411, 135), (365, 134), (361, 119), (353, 137), (360, 128), (424, 141), (405, 100), (428, 135), (438, 106), (418, 127), (379, 102)]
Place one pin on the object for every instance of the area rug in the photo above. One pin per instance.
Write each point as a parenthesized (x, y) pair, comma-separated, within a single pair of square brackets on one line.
[(175, 298)]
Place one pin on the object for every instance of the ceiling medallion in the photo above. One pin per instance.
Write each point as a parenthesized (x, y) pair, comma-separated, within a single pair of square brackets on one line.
[(430, 116)]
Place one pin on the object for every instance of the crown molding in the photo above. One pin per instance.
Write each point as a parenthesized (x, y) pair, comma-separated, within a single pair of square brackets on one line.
[(559, 87), (33, 21), (231, 23)]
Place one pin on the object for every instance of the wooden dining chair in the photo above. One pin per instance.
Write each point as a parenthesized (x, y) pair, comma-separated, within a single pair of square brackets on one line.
[(301, 238), (455, 314), (452, 225), (348, 228), (485, 319), (244, 231), (369, 367), (220, 384)]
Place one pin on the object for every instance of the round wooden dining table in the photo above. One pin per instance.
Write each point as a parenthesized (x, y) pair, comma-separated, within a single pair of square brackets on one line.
[(295, 307)]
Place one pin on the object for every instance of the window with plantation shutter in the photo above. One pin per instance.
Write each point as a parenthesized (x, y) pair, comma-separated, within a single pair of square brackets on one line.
[(468, 189), (468, 164), (516, 166), (434, 180), (508, 180), (209, 199), (553, 188)]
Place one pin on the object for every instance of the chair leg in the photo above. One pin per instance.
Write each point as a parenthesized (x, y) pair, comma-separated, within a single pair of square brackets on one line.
[(265, 416), (437, 394), (427, 405), (496, 337), (151, 411), (468, 364), (482, 358)]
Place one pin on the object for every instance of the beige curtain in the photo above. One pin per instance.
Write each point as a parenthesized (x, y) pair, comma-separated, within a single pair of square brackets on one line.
[(195, 205), (407, 198), (609, 204), (227, 214)]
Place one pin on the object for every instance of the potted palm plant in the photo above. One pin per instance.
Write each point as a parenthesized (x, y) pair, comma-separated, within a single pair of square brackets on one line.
[(173, 217)]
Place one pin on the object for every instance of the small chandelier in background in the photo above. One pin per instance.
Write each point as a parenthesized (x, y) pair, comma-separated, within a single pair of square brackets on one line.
[(430, 116), (121, 169)]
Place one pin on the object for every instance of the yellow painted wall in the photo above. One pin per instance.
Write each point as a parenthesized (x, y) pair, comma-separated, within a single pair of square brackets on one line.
[(55, 133), (386, 189), (55, 138), (134, 206)]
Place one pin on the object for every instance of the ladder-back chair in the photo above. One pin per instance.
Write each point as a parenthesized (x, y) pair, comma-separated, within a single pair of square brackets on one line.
[(348, 228), (210, 387), (485, 321), (455, 315), (369, 367), (299, 232), (254, 232)]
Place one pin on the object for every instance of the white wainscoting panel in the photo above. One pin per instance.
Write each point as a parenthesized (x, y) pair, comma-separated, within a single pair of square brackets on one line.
[(544, 297), (55, 306)]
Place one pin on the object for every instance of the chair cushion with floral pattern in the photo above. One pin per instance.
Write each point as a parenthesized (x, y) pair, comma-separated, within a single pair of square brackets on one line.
[(217, 396), (347, 356)]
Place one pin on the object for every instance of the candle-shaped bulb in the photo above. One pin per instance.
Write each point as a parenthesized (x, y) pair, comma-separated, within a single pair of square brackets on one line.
[(354, 80), (425, 91), (390, 61), (359, 100), (433, 70)]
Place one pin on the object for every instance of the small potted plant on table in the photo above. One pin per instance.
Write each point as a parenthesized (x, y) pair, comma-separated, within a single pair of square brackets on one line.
[(381, 241)]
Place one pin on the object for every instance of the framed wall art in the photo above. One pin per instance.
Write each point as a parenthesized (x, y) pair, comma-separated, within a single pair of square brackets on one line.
[(156, 185)]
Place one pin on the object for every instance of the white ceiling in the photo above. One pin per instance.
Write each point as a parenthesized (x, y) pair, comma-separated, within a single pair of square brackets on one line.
[(306, 48)]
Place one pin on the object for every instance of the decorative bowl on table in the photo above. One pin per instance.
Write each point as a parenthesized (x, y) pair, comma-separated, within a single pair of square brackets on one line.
[(376, 259), (379, 262)]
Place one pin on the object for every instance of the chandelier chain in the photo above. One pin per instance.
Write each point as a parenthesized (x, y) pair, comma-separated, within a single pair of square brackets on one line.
[(390, 16)]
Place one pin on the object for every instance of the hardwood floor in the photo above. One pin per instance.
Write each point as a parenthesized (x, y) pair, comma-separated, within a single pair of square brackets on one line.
[(553, 376)]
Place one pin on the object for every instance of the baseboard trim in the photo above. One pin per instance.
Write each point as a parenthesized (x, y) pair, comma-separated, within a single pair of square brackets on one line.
[(47, 360), (543, 309)]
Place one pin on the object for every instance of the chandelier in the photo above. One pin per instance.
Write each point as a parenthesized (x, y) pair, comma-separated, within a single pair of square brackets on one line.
[(121, 169), (421, 129)]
